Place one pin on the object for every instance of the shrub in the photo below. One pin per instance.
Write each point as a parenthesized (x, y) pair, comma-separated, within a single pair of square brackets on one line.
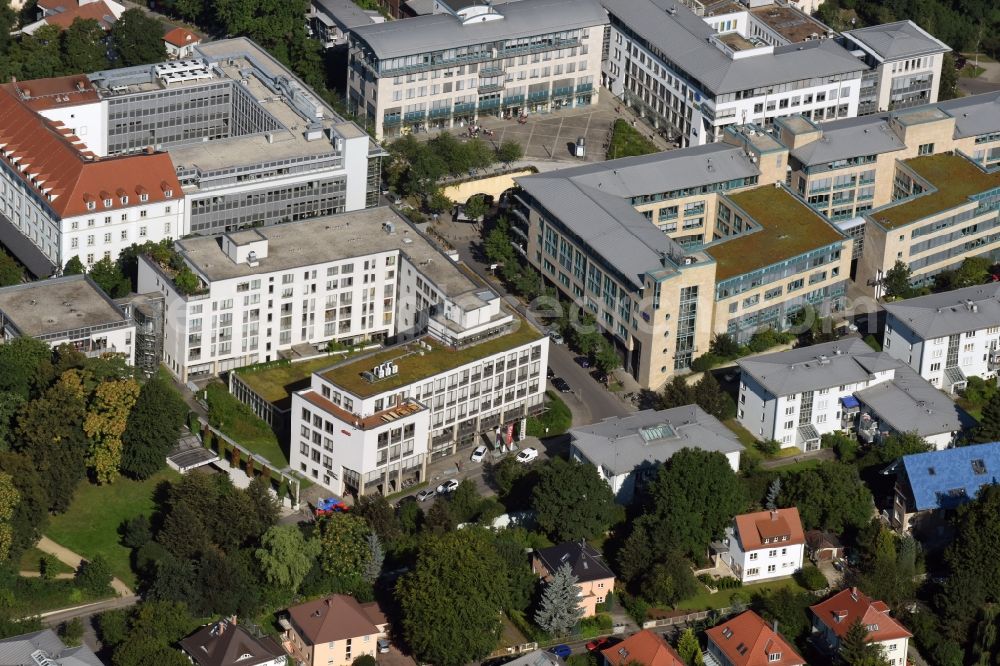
[(636, 607), (811, 578), (769, 447), (706, 362), (94, 576), (872, 342), (728, 583)]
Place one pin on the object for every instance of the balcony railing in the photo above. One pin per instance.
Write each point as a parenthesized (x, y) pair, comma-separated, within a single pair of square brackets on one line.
[(392, 119), (486, 72), (562, 91), (511, 100), (536, 96), (489, 103), (585, 87), (440, 113), (414, 115), (465, 107), (490, 88)]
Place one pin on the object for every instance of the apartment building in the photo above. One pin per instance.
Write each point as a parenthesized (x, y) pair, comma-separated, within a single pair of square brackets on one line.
[(225, 139), (796, 396), (69, 310), (629, 450), (692, 73), (947, 337), (764, 545), (904, 65), (450, 68), (662, 270), (834, 616), (371, 424), (331, 21)]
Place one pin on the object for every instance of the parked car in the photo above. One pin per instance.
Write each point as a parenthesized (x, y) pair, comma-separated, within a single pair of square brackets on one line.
[(549, 372), (447, 487), (598, 644), (478, 454), (425, 494), (583, 361), (383, 645), (556, 337), (562, 650), (561, 384), (405, 500), (527, 455)]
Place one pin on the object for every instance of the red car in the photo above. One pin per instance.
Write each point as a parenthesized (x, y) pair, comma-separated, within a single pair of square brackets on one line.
[(598, 644)]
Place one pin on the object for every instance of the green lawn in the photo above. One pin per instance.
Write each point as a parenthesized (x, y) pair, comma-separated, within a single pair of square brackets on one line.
[(627, 141), (557, 419), (746, 439), (90, 526), (239, 422), (31, 558), (798, 466), (705, 600), (276, 382)]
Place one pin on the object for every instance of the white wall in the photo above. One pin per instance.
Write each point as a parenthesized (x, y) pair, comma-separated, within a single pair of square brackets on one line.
[(88, 121), (928, 357), (785, 558), (110, 233)]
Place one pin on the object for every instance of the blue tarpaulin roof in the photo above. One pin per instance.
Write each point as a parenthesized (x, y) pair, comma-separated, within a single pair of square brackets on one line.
[(849, 401), (946, 479)]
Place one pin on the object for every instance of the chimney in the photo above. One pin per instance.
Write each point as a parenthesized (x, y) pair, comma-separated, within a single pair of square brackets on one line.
[(774, 514), (774, 626), (854, 593)]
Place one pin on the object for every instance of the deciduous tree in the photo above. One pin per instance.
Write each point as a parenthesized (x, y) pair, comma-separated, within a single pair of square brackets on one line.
[(344, 554), (572, 501), (83, 47), (10, 271), (107, 416), (74, 266), (285, 556), (106, 274), (137, 39), (9, 499), (830, 496), (152, 428)]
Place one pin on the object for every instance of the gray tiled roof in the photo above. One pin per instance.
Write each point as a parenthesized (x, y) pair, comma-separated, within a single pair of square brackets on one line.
[(946, 313), (847, 361), (909, 403), (902, 39), (18, 650), (850, 137), (617, 445), (434, 32), (684, 38), (974, 115)]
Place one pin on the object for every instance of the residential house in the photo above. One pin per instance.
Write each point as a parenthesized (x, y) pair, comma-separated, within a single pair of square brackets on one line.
[(69, 310), (180, 43), (931, 485), (62, 13), (593, 576), (333, 631), (628, 450), (833, 618), (226, 643), (797, 396), (44, 647), (823, 546), (747, 640), (535, 658), (947, 337), (643, 647), (764, 545)]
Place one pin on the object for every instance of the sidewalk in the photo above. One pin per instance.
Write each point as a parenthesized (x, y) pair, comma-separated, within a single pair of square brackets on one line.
[(68, 557)]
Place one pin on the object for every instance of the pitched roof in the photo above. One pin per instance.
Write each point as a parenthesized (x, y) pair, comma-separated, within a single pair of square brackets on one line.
[(22, 649), (619, 444), (335, 618), (850, 137), (818, 539), (644, 647), (226, 644), (782, 526), (948, 312), (902, 39), (54, 163), (844, 608), (747, 640), (948, 478), (181, 37), (584, 561)]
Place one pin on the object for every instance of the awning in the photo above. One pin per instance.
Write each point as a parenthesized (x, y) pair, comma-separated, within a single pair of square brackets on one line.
[(26, 252), (849, 401)]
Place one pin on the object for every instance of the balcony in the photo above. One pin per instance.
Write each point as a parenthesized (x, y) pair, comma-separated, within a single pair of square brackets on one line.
[(513, 100), (489, 103), (585, 87), (392, 119), (487, 72), (490, 88), (538, 96), (563, 91), (414, 116), (440, 113), (465, 107)]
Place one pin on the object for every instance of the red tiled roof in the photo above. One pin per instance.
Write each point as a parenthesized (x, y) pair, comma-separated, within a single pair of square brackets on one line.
[(375, 420), (181, 37), (782, 526), (645, 647), (841, 610), (747, 640), (334, 618), (41, 94), (99, 11), (55, 163)]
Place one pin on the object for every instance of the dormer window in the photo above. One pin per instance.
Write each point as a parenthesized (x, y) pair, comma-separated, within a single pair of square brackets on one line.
[(774, 656), (91, 205), (107, 203), (143, 197), (168, 193), (124, 199)]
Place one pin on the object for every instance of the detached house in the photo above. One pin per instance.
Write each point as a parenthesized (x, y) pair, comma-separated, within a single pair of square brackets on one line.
[(833, 617), (747, 640), (764, 545), (225, 643), (644, 647), (333, 631), (593, 577)]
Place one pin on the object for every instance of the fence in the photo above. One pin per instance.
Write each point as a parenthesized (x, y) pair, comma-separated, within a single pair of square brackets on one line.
[(512, 650)]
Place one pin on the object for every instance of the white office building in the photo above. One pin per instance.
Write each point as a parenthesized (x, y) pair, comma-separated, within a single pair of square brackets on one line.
[(629, 450), (453, 67), (764, 545), (947, 337), (796, 396)]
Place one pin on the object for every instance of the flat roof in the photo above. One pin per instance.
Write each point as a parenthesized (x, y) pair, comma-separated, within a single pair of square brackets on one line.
[(331, 238), (954, 179), (909, 403), (686, 40), (57, 305), (902, 39), (618, 444), (787, 229), (789, 22), (417, 363), (437, 32), (276, 383)]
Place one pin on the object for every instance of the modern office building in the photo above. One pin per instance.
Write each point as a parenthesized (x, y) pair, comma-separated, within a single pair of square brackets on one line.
[(69, 310), (796, 396), (629, 450), (904, 65), (450, 68), (666, 250), (225, 139), (947, 337)]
